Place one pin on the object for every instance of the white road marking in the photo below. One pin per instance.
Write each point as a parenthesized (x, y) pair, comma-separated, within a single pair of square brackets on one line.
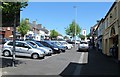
[(29, 59), (0, 72), (5, 72), (83, 58)]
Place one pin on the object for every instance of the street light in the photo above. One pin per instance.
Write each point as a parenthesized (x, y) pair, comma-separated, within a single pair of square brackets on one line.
[(35, 33), (75, 22)]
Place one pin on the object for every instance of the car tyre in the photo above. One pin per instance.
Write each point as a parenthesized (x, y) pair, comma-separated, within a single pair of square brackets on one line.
[(35, 56), (63, 51), (42, 57), (6, 53)]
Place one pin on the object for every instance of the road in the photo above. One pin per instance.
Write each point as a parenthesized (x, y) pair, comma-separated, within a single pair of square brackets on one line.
[(57, 64)]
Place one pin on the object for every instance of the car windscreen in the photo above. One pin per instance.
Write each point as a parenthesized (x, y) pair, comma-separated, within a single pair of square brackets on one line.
[(57, 43), (31, 45), (39, 44), (52, 44), (83, 43)]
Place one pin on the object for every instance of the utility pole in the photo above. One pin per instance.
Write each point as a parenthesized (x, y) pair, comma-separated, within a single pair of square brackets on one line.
[(75, 22), (14, 40)]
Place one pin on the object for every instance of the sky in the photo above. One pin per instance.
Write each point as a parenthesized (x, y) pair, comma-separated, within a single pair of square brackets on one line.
[(58, 15)]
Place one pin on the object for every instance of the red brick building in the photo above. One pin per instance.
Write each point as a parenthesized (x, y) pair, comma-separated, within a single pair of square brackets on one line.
[(6, 32)]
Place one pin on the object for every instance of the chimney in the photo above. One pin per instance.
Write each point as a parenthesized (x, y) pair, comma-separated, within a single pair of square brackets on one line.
[(39, 26), (34, 24)]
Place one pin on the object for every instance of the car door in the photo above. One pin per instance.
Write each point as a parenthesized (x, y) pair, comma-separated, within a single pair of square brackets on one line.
[(23, 49), (18, 48), (26, 50)]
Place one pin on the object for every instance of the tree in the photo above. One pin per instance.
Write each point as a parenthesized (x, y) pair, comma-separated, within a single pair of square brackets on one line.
[(88, 36), (10, 17), (24, 27), (82, 37), (71, 29), (53, 34), (11, 11)]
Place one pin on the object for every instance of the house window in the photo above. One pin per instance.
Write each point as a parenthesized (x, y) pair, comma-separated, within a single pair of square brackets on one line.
[(115, 12), (112, 31), (106, 22), (111, 15)]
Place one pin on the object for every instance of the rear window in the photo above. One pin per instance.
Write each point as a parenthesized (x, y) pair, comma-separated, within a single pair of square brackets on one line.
[(83, 43)]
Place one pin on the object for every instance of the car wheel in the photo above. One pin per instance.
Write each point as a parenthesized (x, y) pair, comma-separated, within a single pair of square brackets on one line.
[(35, 56), (58, 52), (87, 50), (66, 47), (6, 53), (63, 50), (42, 57)]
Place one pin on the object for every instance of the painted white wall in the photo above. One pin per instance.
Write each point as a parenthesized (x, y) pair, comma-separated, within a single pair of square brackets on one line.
[(84, 32)]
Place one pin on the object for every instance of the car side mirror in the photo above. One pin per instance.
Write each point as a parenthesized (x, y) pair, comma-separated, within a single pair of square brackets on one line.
[(29, 47)]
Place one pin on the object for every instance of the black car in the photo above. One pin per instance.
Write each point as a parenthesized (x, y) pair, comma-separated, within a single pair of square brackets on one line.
[(48, 44)]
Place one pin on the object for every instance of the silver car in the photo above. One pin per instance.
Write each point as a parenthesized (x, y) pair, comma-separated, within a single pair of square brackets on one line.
[(22, 49), (83, 46), (48, 51)]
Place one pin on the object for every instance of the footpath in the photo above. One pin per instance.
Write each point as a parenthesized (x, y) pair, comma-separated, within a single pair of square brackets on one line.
[(98, 65)]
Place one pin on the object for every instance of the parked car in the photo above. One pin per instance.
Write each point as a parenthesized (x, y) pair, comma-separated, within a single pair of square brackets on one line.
[(61, 48), (22, 49), (83, 46), (3, 40), (67, 45), (48, 44), (48, 51)]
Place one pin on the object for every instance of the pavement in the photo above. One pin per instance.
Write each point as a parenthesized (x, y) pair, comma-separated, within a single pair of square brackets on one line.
[(99, 64)]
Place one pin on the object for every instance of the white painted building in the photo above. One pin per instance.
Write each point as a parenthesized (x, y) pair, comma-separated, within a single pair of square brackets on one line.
[(84, 33), (37, 32)]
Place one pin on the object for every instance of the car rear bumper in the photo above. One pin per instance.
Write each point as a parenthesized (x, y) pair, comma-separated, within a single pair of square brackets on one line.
[(83, 48)]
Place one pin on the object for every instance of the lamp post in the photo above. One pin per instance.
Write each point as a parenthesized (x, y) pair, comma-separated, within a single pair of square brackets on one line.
[(35, 33), (75, 22)]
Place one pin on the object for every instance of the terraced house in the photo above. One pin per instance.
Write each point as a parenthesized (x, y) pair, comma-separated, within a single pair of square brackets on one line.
[(111, 33)]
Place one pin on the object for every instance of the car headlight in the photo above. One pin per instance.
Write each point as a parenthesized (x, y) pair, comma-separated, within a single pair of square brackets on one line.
[(56, 48)]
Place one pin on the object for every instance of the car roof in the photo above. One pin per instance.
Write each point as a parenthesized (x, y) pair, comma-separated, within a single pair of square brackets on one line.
[(17, 41)]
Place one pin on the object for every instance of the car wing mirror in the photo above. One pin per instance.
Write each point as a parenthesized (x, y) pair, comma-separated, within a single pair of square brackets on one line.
[(29, 47)]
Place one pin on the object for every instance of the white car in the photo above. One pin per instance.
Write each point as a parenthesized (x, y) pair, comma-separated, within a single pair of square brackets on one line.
[(67, 45), (48, 51), (83, 46), (22, 49)]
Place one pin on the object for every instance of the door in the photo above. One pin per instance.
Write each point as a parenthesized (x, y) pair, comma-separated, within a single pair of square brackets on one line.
[(22, 49)]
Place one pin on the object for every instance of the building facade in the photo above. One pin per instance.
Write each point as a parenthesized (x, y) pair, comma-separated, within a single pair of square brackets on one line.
[(111, 34), (37, 32), (94, 34), (101, 28)]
